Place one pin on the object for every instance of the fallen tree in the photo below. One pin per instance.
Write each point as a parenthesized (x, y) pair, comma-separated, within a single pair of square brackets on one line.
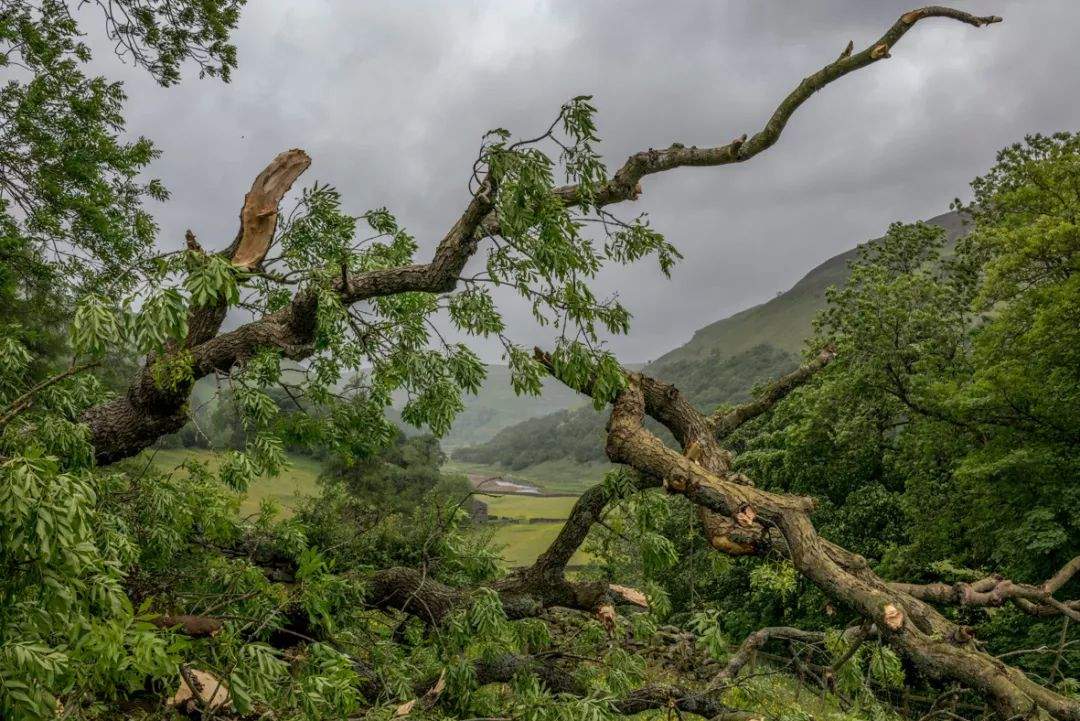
[(738, 518), (899, 612)]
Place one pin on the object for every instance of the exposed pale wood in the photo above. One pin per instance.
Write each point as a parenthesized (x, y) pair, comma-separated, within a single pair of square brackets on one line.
[(259, 214)]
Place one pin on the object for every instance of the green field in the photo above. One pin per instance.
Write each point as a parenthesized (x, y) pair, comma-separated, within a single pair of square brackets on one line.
[(523, 541), (562, 476), (299, 479), (526, 507)]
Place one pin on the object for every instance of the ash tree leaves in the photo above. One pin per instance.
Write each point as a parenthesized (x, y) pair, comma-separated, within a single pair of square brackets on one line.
[(545, 255), (162, 317), (95, 328), (579, 156), (76, 200), (161, 35), (633, 241), (473, 310), (73, 226), (65, 572), (210, 280), (317, 233), (579, 367)]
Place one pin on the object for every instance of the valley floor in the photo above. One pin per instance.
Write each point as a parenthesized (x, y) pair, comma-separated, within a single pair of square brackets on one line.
[(522, 526)]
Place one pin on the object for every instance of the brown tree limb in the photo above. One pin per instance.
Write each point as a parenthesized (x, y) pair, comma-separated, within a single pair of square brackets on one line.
[(1063, 576), (523, 595), (727, 422), (626, 182), (559, 680), (932, 642), (754, 643), (995, 591), (126, 425), (734, 531)]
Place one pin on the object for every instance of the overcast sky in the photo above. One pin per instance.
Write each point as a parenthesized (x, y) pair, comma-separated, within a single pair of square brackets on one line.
[(391, 99)]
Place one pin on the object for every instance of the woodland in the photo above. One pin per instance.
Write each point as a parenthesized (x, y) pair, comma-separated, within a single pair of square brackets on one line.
[(886, 531)]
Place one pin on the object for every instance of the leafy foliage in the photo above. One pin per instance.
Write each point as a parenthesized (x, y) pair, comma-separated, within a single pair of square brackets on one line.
[(101, 565)]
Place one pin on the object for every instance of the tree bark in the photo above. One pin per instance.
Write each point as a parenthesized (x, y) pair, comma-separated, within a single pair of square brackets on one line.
[(937, 646)]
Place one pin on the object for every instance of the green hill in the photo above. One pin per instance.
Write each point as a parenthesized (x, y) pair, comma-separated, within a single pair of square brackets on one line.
[(720, 364), (496, 406), (784, 321)]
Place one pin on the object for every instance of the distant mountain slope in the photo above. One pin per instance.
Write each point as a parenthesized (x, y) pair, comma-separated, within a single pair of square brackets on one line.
[(720, 364), (578, 434), (784, 321), (496, 407)]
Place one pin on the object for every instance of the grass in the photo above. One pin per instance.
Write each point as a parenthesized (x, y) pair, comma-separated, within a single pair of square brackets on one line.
[(525, 541), (562, 476), (526, 507), (288, 488), (522, 542)]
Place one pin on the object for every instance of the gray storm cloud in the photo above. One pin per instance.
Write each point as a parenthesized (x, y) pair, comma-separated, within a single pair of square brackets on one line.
[(391, 99)]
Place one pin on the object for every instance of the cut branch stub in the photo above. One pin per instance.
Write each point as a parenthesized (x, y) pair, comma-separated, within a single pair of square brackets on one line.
[(629, 595), (893, 616), (258, 216), (746, 516), (723, 535), (200, 691), (606, 615)]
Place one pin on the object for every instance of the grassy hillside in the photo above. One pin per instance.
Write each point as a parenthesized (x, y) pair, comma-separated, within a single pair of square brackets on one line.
[(720, 364), (298, 480), (784, 321), (496, 406)]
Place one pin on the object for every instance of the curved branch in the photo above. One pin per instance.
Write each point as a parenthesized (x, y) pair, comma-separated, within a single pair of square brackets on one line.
[(625, 185), (755, 641), (132, 422), (726, 423), (995, 591), (1063, 576), (126, 425)]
